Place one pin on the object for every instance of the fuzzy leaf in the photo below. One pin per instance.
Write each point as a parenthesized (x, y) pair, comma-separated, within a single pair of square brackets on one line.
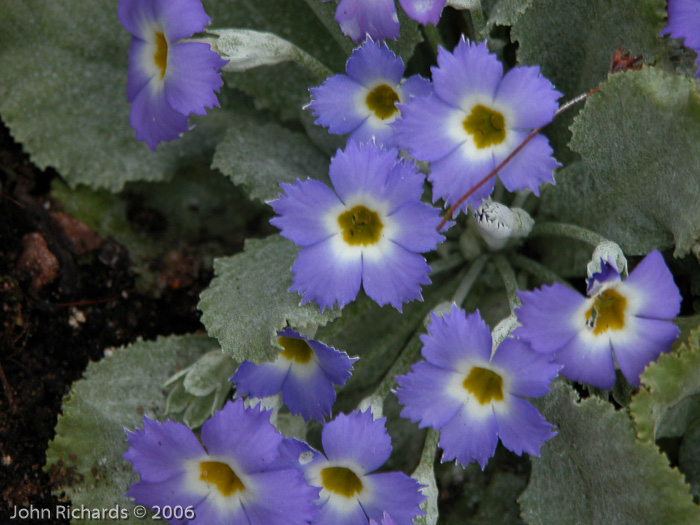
[(670, 401), (629, 180), (63, 95), (287, 156), (595, 471), (85, 458), (248, 302), (282, 88)]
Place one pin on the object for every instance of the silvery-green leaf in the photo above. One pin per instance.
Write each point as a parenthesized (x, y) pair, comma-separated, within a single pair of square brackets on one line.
[(85, 457), (629, 185), (594, 471), (247, 302), (208, 372), (259, 156), (199, 410)]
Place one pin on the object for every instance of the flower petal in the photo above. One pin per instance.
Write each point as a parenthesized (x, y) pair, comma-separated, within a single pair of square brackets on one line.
[(649, 338), (180, 18), (530, 373), (372, 61), (652, 282), (423, 11), (192, 77), (548, 317), (376, 18), (301, 212), (334, 104), (530, 167), (469, 69), (394, 276), (359, 438), (531, 97), (254, 444), (588, 359), (324, 274), (467, 438), (260, 380), (455, 337), (284, 498), (423, 395), (521, 427), (154, 119), (418, 231), (394, 493)]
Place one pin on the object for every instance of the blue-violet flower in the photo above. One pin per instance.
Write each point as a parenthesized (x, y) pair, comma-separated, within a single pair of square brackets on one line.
[(474, 119), (684, 22), (359, 18), (227, 478), (304, 371), (363, 102), (475, 398), (369, 232), (626, 318), (168, 79), (355, 446)]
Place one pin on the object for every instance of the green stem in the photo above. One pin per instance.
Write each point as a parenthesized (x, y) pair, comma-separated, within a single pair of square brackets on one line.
[(567, 230), (375, 400), (537, 270), (509, 281), (443, 265), (469, 279), (316, 67), (433, 36), (425, 475), (478, 22)]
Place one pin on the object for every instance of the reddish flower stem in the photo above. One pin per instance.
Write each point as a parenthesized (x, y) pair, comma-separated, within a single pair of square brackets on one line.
[(562, 108)]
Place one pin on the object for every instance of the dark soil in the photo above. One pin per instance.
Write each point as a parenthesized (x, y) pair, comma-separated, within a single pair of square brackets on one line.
[(67, 295)]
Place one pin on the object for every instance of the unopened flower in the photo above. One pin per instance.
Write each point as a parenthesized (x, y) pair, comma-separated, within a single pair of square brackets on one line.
[(475, 398), (304, 371), (356, 445), (474, 119), (363, 102), (230, 477), (629, 319), (370, 231), (168, 79)]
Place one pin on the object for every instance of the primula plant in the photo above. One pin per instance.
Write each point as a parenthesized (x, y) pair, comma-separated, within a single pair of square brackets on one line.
[(473, 292)]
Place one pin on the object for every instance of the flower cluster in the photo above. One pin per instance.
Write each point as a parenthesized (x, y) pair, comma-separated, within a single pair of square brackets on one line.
[(168, 79), (305, 372), (369, 232), (245, 472), (379, 20), (628, 319)]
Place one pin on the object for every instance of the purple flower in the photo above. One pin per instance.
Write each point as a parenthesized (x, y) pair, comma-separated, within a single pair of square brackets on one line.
[(684, 22), (359, 18), (168, 79), (474, 119), (386, 520), (423, 11), (304, 372), (626, 318), (370, 231), (378, 18), (227, 478), (363, 102), (356, 445), (475, 398)]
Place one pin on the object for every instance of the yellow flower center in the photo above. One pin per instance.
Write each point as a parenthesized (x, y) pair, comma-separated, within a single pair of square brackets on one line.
[(486, 385), (161, 55), (361, 226), (382, 100), (221, 476), (295, 349), (486, 126), (607, 312), (341, 480)]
